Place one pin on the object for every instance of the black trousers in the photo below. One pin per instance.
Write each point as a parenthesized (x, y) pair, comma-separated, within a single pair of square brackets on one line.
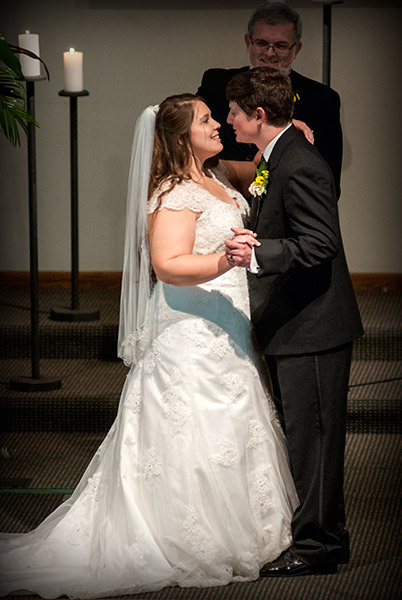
[(311, 394)]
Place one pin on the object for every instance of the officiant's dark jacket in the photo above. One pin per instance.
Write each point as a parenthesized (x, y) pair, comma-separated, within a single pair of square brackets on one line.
[(316, 104), (302, 299)]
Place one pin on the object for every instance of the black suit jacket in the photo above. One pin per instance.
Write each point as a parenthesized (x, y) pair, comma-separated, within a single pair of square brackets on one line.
[(302, 299), (318, 106)]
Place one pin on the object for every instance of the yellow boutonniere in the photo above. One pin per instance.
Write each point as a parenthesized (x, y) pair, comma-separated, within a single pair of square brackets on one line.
[(296, 96), (259, 185)]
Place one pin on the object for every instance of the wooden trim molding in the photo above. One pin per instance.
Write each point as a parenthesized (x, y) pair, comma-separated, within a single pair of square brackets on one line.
[(87, 279), (385, 282)]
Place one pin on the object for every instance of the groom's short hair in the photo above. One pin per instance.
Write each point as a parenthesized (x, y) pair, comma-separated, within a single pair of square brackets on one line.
[(265, 87)]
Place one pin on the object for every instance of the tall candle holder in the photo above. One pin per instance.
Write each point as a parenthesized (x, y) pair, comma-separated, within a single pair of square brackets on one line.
[(74, 313), (35, 382)]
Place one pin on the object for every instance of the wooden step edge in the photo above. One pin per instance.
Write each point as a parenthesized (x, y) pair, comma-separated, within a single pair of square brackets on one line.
[(386, 282)]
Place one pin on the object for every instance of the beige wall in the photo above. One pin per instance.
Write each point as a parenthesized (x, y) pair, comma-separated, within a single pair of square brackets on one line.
[(134, 57)]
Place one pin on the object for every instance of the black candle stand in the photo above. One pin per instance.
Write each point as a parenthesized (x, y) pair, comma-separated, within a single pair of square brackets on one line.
[(326, 38), (35, 382), (74, 313)]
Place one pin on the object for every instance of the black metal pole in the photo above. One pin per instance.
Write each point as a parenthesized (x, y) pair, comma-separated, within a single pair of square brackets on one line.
[(326, 50), (74, 313), (33, 235), (75, 302), (326, 38), (35, 382)]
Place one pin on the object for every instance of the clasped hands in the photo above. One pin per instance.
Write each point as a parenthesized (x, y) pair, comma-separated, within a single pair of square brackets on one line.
[(239, 249)]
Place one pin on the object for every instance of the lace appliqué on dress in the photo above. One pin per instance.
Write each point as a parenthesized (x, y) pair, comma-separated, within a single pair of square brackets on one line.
[(140, 552), (221, 345), (151, 464), (226, 457), (78, 534), (195, 329), (138, 339), (175, 409), (249, 568), (235, 386), (80, 530), (256, 434), (151, 360), (134, 400), (199, 540), (261, 491)]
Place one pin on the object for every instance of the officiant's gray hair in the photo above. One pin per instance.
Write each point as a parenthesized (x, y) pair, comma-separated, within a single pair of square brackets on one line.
[(276, 13)]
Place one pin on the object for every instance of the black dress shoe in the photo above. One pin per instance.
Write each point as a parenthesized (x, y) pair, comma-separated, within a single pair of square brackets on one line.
[(288, 565)]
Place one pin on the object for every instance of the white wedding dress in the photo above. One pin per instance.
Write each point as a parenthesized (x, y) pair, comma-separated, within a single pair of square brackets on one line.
[(191, 486)]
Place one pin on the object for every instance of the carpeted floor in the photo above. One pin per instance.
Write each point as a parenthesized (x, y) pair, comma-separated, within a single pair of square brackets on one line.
[(373, 498)]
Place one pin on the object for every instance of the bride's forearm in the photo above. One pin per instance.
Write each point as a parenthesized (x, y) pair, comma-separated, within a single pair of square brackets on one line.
[(192, 269)]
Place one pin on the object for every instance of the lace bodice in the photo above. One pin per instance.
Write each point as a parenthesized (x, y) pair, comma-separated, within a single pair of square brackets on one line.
[(216, 217)]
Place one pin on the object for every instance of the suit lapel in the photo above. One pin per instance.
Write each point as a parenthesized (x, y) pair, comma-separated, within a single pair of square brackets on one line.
[(281, 144), (255, 211)]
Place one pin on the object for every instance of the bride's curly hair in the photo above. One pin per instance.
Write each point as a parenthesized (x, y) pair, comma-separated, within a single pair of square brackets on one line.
[(172, 152)]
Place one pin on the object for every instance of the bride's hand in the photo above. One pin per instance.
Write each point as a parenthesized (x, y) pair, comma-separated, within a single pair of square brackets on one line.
[(245, 236), (305, 129)]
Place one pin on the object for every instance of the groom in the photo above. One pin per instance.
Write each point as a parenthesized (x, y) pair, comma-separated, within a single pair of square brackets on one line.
[(303, 308)]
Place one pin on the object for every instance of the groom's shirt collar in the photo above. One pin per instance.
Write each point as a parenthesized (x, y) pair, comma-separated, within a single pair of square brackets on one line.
[(267, 152)]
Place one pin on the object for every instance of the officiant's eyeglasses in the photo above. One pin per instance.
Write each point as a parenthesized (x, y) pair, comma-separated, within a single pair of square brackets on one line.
[(277, 47)]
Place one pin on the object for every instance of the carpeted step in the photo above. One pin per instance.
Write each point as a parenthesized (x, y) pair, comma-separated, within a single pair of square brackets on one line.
[(87, 400), (54, 460), (61, 341), (58, 339), (381, 315), (91, 390), (375, 396)]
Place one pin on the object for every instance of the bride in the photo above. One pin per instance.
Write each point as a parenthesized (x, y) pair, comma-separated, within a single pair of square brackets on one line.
[(191, 486)]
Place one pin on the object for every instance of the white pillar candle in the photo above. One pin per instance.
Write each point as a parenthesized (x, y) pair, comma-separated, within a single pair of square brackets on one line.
[(30, 66), (73, 71)]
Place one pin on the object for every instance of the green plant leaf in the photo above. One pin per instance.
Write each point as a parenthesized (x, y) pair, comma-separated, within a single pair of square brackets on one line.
[(13, 112), (8, 57), (9, 85), (31, 54)]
